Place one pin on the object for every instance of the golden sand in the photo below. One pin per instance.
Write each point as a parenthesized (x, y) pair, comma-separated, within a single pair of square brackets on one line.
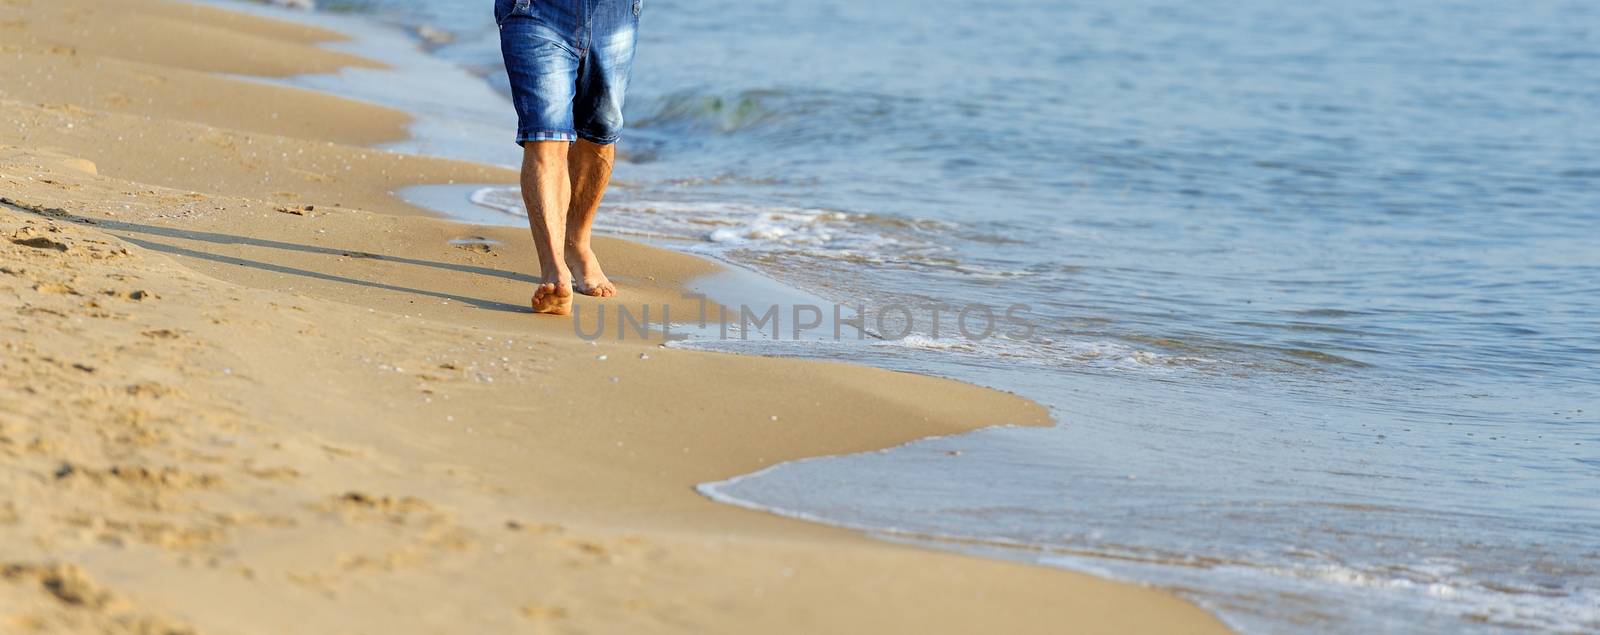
[(244, 390)]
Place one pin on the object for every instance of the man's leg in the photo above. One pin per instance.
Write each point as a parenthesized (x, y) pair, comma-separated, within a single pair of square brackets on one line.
[(589, 165), (547, 192)]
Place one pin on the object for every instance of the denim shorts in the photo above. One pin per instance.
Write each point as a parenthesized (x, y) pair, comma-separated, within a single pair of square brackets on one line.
[(568, 61)]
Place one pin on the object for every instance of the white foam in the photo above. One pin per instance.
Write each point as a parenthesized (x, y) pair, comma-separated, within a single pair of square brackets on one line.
[(500, 198), (928, 343)]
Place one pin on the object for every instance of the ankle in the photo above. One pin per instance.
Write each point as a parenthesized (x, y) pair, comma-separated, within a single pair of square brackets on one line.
[(580, 245), (558, 274)]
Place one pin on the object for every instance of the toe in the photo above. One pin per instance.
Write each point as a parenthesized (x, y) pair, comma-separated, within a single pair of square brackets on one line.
[(548, 298)]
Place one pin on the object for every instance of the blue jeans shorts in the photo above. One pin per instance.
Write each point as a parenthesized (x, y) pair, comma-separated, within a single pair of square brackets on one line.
[(568, 61)]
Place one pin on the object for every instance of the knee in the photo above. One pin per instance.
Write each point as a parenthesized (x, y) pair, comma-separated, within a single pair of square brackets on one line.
[(545, 154), (589, 151)]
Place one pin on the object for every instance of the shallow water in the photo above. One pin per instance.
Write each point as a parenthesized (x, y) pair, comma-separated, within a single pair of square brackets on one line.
[(1317, 287)]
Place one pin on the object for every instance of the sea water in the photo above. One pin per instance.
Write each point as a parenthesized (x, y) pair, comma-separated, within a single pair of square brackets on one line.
[(1316, 286)]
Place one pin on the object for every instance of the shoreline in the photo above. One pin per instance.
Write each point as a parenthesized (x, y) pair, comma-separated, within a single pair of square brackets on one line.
[(248, 439)]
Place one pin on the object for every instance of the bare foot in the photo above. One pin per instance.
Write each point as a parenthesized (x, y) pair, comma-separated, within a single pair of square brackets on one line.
[(554, 298), (588, 279)]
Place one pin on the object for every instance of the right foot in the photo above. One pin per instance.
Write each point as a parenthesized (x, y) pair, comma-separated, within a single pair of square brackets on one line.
[(554, 298)]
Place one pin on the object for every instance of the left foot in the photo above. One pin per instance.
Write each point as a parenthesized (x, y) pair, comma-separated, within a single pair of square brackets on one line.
[(587, 278)]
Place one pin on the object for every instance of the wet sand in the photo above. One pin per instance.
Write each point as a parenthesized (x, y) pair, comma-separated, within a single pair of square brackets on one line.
[(243, 389)]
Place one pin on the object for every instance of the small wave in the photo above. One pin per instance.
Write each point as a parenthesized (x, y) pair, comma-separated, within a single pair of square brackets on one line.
[(500, 199), (1055, 353), (800, 227), (815, 111), (1323, 357), (729, 226), (1117, 355), (1499, 605), (718, 113), (303, 5), (723, 227), (928, 343), (781, 236)]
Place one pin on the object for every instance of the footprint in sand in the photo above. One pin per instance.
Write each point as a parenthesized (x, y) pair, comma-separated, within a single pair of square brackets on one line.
[(82, 601), (41, 242), (476, 244), (135, 295), (150, 390), (151, 479), (66, 582), (534, 611), (361, 506)]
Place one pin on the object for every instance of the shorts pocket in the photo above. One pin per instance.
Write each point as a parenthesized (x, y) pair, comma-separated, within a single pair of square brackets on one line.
[(505, 9)]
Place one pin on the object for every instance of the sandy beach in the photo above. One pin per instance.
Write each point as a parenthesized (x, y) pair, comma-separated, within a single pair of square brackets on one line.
[(243, 389)]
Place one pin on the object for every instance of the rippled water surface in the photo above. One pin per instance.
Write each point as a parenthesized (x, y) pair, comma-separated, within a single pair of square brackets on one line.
[(1317, 285)]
